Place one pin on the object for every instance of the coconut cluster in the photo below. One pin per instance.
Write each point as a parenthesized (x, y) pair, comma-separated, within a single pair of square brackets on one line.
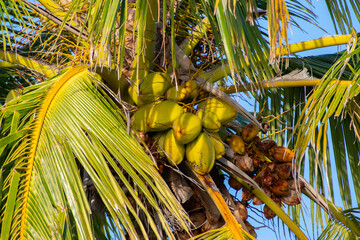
[(269, 165), (182, 121)]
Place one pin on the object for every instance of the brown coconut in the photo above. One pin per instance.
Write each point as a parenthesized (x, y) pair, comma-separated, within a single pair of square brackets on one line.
[(245, 163), (257, 201), (235, 184), (268, 213), (281, 188), (292, 199), (283, 170), (241, 209), (283, 154), (247, 194), (251, 229)]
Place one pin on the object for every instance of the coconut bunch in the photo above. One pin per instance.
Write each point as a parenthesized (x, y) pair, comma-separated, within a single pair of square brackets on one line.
[(269, 165), (181, 123), (182, 120)]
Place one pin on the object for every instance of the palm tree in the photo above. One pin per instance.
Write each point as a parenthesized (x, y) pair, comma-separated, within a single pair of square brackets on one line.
[(75, 166)]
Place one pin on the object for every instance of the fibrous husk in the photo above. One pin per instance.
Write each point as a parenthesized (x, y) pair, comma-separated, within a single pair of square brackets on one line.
[(245, 163), (281, 188), (182, 191), (229, 153), (208, 226), (266, 145), (296, 184), (272, 166), (292, 199), (183, 235)]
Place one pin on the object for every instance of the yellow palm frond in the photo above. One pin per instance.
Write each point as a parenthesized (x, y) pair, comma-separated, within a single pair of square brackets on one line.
[(74, 125)]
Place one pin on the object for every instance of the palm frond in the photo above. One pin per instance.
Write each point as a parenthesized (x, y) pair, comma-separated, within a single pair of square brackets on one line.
[(235, 37), (218, 234), (31, 64), (66, 134), (14, 16), (337, 230), (329, 98), (278, 23), (342, 13)]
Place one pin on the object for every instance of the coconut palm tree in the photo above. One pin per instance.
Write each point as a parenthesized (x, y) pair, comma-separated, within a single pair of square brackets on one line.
[(77, 164)]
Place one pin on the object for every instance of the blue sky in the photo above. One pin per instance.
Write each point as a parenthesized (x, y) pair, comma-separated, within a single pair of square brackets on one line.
[(324, 20)]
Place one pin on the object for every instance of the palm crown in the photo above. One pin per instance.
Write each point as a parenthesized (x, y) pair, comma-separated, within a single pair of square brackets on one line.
[(77, 162)]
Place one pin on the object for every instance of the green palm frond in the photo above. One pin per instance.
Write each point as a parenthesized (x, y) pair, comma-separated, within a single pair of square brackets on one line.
[(342, 14), (236, 36), (337, 230), (218, 234), (65, 135), (14, 16), (328, 99)]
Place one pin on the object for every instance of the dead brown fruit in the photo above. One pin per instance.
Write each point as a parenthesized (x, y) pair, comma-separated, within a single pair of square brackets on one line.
[(267, 191), (268, 213), (207, 226), (197, 218), (251, 229), (257, 140), (183, 236), (267, 180), (247, 194), (292, 199), (257, 201), (235, 184), (245, 163), (284, 170), (266, 127), (299, 185), (241, 209), (283, 154), (272, 166), (266, 145), (281, 188), (260, 118), (256, 162), (249, 132)]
